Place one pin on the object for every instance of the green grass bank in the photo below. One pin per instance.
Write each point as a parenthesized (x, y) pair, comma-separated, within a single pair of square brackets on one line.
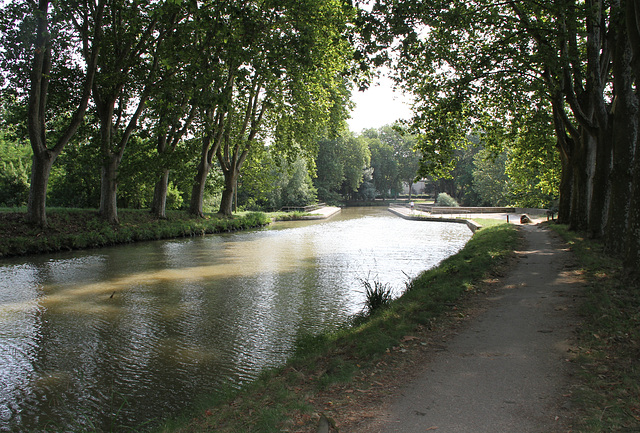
[(72, 229)]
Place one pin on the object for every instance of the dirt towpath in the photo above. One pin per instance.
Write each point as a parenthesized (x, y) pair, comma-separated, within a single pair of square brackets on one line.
[(507, 370)]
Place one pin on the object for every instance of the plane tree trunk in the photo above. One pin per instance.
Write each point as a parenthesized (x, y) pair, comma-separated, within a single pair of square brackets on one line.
[(236, 147), (210, 145), (40, 76), (632, 248), (624, 137), (168, 139)]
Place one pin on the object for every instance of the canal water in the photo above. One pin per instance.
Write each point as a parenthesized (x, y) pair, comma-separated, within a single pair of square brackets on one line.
[(114, 338)]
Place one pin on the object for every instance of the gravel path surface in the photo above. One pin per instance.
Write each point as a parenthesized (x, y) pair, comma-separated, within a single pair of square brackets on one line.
[(507, 370)]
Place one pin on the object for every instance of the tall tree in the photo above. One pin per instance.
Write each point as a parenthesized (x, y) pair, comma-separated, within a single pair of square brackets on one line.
[(127, 73), (289, 83), (240, 135), (490, 180), (482, 59), (172, 108), (341, 165), (215, 71), (356, 158), (405, 152), (172, 126), (393, 158), (632, 246), (385, 174), (329, 169), (55, 36)]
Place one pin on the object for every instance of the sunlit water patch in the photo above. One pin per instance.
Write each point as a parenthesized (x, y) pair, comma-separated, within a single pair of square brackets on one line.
[(125, 336)]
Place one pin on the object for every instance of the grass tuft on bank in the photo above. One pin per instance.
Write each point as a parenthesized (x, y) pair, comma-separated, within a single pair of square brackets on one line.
[(608, 342), (288, 216), (291, 397), (71, 229)]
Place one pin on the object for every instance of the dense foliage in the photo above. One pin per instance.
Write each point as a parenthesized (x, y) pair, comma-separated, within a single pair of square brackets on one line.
[(163, 105), (445, 199), (379, 163), (270, 182), (147, 104), (15, 160), (132, 103), (527, 71)]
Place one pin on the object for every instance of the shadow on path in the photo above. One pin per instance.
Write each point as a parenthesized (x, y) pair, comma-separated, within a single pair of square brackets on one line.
[(507, 369)]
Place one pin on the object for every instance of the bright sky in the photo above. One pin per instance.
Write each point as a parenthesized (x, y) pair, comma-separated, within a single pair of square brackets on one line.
[(378, 106)]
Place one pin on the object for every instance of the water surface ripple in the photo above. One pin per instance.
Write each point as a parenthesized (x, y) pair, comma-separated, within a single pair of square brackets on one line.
[(124, 336)]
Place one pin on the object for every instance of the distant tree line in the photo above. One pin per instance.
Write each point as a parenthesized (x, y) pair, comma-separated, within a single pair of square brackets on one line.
[(375, 164), (480, 176)]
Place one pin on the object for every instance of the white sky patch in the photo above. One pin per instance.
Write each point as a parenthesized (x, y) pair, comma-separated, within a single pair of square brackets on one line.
[(378, 106)]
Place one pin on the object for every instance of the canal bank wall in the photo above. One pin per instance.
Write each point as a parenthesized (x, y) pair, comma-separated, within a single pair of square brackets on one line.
[(322, 213), (408, 214), (466, 215)]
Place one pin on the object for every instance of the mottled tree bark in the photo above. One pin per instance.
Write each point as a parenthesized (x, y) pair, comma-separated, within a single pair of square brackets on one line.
[(42, 162), (197, 192), (580, 190), (624, 137), (159, 203), (210, 145), (226, 204), (43, 156), (564, 200), (109, 189), (632, 249)]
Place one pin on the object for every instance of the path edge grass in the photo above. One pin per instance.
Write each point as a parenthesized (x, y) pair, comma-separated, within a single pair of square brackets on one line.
[(606, 395)]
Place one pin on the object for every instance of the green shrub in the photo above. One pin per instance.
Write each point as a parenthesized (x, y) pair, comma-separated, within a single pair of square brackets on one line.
[(291, 216), (445, 199)]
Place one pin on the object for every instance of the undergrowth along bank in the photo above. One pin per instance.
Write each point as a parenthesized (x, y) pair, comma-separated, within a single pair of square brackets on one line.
[(289, 398), (288, 216), (607, 394), (71, 229)]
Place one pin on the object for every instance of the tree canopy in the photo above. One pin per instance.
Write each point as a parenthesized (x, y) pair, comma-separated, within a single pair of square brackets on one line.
[(42, 44), (482, 67), (145, 89), (108, 75)]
